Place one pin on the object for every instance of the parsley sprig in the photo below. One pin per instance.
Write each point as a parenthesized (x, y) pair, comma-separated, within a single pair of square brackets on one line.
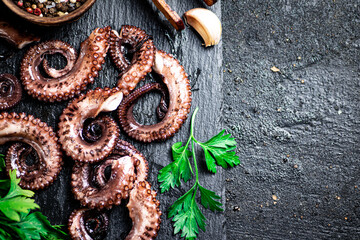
[(186, 214), (16, 221)]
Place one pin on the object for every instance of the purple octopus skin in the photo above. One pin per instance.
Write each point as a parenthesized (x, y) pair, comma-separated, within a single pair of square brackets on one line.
[(175, 78), (64, 84), (15, 36), (86, 224), (143, 49), (10, 91), (83, 135), (91, 187), (33, 134)]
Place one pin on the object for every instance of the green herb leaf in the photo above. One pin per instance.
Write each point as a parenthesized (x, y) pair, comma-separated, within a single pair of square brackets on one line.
[(13, 206), (15, 190), (187, 215), (219, 149), (2, 162), (15, 220), (171, 175), (208, 199)]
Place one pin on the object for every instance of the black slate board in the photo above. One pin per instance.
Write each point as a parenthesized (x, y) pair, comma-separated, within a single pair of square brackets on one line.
[(203, 66)]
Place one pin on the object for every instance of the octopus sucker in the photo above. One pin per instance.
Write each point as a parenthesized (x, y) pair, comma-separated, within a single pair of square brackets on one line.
[(144, 212), (37, 140), (85, 136), (86, 224), (95, 188), (10, 91), (64, 84), (176, 80), (141, 47)]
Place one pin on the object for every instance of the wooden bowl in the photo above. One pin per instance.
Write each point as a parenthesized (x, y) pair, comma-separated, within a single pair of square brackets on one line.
[(49, 21)]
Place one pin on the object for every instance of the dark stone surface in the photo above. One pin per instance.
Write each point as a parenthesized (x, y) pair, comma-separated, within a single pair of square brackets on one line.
[(205, 69), (297, 129)]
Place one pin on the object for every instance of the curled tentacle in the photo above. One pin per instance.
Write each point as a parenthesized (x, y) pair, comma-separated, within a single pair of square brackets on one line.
[(144, 212), (94, 189), (10, 91), (70, 81), (175, 78), (124, 148), (85, 224), (85, 140), (65, 50), (43, 170), (141, 47)]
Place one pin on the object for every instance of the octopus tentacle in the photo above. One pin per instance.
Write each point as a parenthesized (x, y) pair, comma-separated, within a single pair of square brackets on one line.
[(90, 142), (140, 65), (16, 36), (10, 91), (65, 50), (85, 224), (144, 212), (177, 82), (124, 148), (30, 130), (94, 190), (65, 83)]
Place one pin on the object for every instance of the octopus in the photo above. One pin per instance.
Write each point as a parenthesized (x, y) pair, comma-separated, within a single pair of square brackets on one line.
[(85, 136), (127, 179), (94, 187), (173, 114), (36, 154), (16, 37), (144, 212), (85, 224), (64, 84), (131, 41), (10, 91)]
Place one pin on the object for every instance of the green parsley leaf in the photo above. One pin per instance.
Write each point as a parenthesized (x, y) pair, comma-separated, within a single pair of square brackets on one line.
[(44, 227), (13, 206), (219, 149), (15, 190), (15, 220), (2, 162), (171, 175), (187, 215), (208, 199)]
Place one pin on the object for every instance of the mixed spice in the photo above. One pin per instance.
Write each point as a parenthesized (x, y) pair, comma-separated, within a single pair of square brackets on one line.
[(49, 8)]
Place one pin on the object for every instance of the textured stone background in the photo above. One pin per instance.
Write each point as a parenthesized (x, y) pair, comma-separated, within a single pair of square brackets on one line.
[(297, 129), (204, 67)]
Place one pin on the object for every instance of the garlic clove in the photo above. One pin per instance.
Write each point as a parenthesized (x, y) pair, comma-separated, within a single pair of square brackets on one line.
[(206, 23)]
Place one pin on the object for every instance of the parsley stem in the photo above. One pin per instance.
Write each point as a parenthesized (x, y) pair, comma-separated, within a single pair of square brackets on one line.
[(193, 145)]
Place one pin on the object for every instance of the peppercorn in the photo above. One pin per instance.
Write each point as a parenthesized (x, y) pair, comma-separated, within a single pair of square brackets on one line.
[(64, 8), (52, 10), (37, 11), (49, 8)]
